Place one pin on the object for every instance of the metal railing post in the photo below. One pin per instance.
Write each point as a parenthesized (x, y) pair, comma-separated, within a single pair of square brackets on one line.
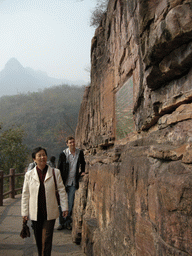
[(12, 183), (1, 188)]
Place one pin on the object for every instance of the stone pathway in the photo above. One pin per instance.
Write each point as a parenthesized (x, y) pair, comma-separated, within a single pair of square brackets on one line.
[(11, 244)]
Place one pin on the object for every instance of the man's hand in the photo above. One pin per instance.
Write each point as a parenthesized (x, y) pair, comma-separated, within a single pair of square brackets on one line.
[(83, 173), (65, 214)]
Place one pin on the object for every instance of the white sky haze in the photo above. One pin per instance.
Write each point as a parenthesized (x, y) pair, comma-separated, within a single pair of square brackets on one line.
[(48, 35)]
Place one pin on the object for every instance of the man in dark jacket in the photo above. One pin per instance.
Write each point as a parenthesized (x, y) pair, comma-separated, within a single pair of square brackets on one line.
[(72, 166)]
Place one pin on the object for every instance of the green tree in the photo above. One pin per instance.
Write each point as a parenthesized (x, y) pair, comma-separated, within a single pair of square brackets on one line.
[(47, 117), (13, 152)]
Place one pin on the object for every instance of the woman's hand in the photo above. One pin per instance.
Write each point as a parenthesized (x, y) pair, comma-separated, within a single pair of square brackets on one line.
[(65, 214), (25, 218)]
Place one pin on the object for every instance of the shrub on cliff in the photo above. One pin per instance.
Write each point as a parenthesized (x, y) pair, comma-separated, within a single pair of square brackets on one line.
[(98, 12)]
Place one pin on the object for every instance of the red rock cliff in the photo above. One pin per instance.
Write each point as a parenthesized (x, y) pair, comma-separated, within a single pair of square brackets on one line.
[(136, 198)]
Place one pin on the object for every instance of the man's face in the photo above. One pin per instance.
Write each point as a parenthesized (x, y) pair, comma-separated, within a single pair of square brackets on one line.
[(71, 144)]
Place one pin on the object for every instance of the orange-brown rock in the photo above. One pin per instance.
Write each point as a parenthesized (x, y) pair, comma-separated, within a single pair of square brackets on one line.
[(136, 197)]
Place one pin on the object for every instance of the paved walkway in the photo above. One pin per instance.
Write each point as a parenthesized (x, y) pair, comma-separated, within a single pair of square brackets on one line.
[(11, 244)]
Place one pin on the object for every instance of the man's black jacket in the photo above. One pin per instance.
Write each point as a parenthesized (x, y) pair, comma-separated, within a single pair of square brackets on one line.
[(63, 166)]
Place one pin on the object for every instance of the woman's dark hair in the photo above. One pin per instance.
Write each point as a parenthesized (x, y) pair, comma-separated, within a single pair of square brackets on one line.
[(52, 159), (36, 150)]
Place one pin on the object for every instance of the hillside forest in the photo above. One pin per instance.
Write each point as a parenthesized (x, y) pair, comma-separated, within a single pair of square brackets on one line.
[(46, 117)]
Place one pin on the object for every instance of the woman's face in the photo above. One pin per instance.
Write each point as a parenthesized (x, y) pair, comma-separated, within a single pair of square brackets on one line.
[(41, 159)]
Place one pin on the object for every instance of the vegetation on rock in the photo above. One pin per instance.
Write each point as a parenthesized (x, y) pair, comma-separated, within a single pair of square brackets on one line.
[(98, 12)]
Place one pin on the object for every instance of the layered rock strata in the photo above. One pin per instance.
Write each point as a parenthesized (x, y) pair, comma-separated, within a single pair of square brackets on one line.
[(136, 197)]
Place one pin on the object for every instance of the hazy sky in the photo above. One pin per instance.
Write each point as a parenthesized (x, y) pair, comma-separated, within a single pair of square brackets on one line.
[(48, 35)]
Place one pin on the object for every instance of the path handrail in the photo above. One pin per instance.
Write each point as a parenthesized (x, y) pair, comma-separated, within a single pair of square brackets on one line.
[(12, 190)]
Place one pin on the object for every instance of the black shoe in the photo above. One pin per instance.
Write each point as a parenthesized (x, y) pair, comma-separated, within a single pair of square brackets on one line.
[(69, 226), (60, 227)]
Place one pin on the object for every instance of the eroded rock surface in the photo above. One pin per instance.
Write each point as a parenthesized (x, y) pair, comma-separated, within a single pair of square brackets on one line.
[(136, 197)]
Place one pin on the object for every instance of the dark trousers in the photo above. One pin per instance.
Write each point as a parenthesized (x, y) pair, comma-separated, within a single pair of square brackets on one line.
[(43, 232)]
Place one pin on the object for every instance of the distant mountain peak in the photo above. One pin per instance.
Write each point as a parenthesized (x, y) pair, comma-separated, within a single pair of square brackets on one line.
[(15, 78), (13, 64), (13, 61)]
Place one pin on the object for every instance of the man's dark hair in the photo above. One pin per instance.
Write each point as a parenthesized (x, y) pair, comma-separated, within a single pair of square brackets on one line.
[(69, 138), (36, 150), (52, 159)]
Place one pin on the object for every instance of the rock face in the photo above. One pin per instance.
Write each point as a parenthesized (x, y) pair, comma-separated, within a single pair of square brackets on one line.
[(136, 198)]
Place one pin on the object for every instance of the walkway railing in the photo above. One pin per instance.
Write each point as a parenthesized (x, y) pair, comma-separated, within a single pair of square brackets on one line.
[(12, 188)]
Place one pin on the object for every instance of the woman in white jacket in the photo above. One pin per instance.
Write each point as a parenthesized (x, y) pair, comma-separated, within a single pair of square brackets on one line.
[(39, 202)]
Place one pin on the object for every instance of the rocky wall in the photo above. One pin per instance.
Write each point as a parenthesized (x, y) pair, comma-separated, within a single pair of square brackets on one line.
[(136, 196)]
